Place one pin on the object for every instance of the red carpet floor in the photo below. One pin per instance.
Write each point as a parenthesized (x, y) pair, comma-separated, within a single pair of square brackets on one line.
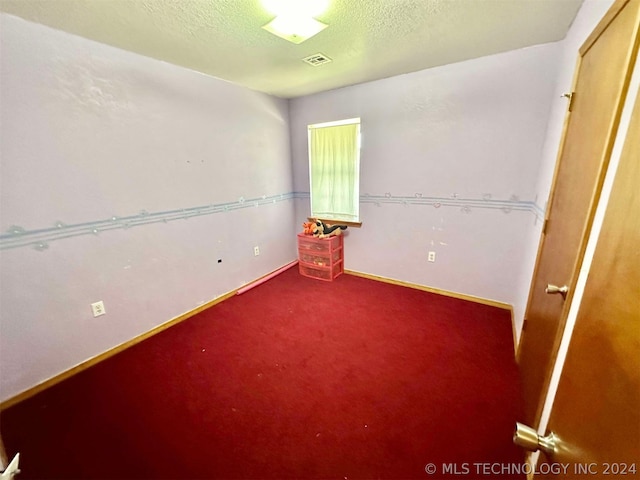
[(296, 378)]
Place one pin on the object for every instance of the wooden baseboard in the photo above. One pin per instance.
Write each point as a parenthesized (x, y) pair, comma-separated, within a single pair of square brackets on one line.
[(446, 293), (129, 343), (117, 349), (109, 353), (513, 333)]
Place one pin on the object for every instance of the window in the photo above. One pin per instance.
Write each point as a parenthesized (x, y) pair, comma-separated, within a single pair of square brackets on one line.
[(334, 170)]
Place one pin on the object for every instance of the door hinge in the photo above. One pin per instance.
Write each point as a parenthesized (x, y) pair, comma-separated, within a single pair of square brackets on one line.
[(545, 225), (570, 96), (524, 324)]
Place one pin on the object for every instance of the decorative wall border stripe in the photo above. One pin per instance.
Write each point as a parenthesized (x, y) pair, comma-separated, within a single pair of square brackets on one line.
[(465, 204), (39, 239)]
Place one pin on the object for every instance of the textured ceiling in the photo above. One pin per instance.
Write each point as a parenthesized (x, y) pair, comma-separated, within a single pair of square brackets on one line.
[(367, 39)]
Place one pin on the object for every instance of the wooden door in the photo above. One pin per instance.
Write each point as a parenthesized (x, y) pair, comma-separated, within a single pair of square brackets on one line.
[(604, 66), (596, 412)]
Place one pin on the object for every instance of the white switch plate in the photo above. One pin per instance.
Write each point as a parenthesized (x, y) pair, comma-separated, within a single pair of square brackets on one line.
[(98, 308), (432, 256), (256, 251)]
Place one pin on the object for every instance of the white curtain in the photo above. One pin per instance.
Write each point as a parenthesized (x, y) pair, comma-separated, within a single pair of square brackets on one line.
[(334, 169)]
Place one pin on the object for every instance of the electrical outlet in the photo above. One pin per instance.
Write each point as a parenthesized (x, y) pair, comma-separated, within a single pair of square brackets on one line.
[(256, 251), (432, 256), (98, 308)]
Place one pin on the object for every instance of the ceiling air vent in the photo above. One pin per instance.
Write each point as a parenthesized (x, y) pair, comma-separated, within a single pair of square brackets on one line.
[(317, 59)]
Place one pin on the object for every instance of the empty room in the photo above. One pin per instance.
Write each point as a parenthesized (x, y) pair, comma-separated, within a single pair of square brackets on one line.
[(325, 239)]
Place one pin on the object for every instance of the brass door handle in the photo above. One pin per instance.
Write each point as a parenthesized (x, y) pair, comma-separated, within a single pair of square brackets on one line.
[(551, 289), (527, 438)]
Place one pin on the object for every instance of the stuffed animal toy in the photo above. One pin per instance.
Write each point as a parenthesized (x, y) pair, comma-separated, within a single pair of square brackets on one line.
[(323, 230), (308, 228)]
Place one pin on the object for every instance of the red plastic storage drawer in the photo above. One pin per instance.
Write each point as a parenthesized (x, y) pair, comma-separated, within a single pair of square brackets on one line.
[(314, 244), (320, 258), (326, 274)]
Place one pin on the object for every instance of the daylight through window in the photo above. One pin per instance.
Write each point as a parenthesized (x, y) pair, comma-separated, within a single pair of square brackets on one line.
[(334, 170)]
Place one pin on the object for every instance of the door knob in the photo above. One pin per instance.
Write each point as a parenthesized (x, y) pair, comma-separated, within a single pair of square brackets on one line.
[(527, 438), (555, 289)]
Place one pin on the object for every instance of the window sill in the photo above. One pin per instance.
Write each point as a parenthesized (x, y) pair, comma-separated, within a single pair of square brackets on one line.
[(336, 222)]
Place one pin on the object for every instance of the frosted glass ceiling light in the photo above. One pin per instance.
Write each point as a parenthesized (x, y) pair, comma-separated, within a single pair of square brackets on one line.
[(295, 29), (294, 21), (296, 8)]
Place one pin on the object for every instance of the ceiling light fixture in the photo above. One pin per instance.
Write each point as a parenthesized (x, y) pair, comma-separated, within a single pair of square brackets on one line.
[(296, 8), (294, 21)]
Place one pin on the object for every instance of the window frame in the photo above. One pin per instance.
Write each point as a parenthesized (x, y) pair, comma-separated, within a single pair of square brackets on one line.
[(336, 218)]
